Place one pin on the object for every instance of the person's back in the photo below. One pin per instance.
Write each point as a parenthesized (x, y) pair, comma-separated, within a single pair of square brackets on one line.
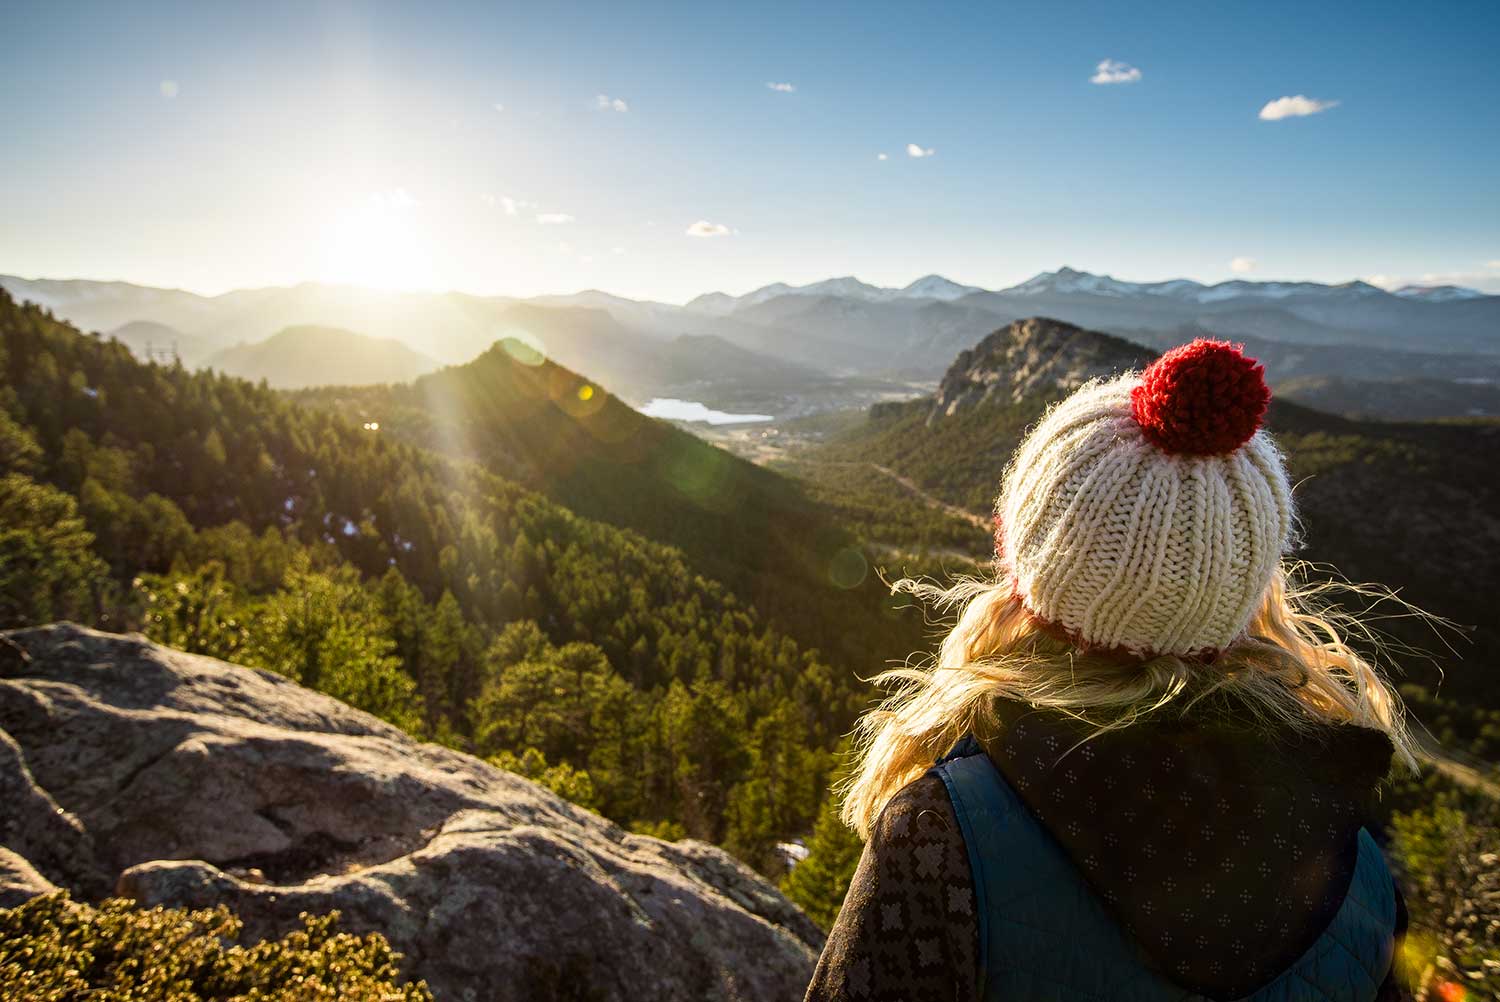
[(1140, 766)]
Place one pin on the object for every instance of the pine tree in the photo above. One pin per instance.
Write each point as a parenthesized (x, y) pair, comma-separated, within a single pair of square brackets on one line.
[(818, 883)]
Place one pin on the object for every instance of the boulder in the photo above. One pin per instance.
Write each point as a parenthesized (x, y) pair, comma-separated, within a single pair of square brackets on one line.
[(19, 880), (182, 780)]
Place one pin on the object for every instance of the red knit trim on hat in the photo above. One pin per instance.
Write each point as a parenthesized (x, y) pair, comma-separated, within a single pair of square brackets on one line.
[(1058, 631), (1205, 398)]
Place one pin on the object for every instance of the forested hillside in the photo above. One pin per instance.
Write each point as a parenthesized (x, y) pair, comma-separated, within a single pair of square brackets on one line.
[(220, 517), (535, 423)]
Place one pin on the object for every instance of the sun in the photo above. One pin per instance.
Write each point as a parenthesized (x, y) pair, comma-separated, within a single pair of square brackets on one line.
[(380, 241)]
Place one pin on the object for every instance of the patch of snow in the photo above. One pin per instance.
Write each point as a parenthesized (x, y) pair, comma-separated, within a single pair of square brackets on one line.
[(1240, 289), (1438, 293), (1067, 281), (716, 304), (846, 287), (937, 287), (792, 852)]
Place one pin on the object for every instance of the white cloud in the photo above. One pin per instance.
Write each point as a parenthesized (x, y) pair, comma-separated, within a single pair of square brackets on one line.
[(1243, 265), (498, 106), (553, 218), (703, 228), (617, 250), (785, 88), (169, 89), (1294, 107), (606, 103), (881, 156), (508, 204), (1112, 71), (913, 150)]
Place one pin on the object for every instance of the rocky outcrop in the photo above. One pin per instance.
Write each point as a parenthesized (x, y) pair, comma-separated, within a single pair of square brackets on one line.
[(182, 780), (1032, 358), (19, 880)]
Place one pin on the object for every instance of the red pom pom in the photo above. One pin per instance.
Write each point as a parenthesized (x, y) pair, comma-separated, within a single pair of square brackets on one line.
[(1204, 399)]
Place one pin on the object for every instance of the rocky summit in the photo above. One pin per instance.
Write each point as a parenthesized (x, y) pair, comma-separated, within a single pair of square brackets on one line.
[(1035, 357), (174, 779)]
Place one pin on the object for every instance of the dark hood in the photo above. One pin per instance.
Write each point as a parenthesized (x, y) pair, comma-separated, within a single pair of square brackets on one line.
[(1224, 851)]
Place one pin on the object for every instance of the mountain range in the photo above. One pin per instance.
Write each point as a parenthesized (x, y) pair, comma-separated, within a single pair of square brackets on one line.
[(785, 338)]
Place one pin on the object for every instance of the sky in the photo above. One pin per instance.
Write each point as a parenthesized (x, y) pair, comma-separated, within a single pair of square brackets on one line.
[(660, 151)]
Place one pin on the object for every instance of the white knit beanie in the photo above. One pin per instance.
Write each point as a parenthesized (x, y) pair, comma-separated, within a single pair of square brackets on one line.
[(1148, 513)]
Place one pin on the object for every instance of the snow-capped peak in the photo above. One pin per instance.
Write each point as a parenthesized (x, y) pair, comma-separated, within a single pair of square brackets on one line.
[(1437, 293), (846, 287), (1068, 281), (718, 304), (937, 287)]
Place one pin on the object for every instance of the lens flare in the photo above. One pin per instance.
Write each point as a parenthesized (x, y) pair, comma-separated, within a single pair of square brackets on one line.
[(700, 474), (523, 346), (848, 568)]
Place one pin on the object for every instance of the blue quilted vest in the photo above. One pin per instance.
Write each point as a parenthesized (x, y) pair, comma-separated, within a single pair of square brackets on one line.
[(1044, 935)]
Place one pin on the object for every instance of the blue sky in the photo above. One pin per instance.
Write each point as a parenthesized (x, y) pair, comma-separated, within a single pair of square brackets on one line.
[(220, 145)]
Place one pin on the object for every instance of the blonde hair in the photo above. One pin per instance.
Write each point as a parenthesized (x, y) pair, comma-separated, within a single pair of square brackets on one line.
[(1293, 669)]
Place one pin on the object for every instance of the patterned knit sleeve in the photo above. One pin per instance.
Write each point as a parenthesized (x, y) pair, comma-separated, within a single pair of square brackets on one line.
[(907, 931)]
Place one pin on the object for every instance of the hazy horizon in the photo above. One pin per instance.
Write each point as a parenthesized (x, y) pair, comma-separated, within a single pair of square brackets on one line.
[(516, 151), (1388, 284)]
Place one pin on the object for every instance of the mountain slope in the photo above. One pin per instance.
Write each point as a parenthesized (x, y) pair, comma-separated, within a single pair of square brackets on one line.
[(846, 335), (641, 365), (149, 341), (1437, 293), (1409, 399), (537, 423), (105, 306), (710, 358), (298, 357)]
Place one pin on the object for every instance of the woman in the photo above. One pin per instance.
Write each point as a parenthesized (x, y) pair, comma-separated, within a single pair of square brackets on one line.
[(1140, 764)]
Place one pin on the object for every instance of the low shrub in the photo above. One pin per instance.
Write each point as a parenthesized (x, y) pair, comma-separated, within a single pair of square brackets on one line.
[(55, 949)]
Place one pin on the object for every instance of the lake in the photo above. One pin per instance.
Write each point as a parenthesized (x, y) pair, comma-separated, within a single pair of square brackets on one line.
[(672, 409)]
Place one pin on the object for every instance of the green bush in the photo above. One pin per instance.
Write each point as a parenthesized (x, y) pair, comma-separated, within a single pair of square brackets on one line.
[(54, 949), (1449, 862), (818, 884)]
